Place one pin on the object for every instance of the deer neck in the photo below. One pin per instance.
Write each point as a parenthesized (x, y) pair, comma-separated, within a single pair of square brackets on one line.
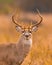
[(24, 46), (25, 41)]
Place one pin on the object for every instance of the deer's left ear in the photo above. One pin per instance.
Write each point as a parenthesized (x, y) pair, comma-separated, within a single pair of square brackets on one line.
[(35, 28), (19, 29)]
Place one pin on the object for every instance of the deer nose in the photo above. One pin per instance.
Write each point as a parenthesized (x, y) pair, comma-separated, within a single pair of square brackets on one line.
[(27, 35)]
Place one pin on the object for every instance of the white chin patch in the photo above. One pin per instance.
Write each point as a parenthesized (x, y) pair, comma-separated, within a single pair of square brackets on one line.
[(28, 42)]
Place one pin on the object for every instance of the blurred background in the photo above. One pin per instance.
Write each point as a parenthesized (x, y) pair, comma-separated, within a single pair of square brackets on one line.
[(6, 6), (41, 53)]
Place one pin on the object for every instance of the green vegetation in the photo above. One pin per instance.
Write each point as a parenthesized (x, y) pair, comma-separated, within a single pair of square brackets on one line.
[(6, 1), (31, 5), (6, 6)]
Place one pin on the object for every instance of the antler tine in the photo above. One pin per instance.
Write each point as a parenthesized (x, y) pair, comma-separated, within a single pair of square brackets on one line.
[(40, 20), (14, 21)]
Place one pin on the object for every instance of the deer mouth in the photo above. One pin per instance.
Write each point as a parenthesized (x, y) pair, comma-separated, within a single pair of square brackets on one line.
[(27, 38)]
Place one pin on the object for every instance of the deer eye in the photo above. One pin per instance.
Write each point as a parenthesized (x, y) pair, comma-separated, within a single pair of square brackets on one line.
[(30, 31), (23, 31)]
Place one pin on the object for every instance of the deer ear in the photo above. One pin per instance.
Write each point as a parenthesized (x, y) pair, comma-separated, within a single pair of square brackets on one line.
[(18, 28), (35, 28)]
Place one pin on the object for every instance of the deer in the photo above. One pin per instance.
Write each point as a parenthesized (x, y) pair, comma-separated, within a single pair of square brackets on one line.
[(15, 54)]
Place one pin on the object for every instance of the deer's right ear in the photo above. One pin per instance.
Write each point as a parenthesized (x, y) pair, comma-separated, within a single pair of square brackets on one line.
[(19, 29)]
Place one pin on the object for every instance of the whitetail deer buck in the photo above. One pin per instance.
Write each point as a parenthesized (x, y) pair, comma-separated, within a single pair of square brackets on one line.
[(14, 54)]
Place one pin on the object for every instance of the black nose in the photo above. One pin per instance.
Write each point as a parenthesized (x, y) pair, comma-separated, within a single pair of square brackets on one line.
[(26, 35)]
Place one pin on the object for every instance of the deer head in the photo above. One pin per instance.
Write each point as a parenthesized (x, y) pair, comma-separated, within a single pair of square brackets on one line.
[(27, 32)]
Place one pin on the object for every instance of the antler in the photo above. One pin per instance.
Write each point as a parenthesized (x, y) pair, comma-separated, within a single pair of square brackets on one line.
[(15, 22), (40, 19)]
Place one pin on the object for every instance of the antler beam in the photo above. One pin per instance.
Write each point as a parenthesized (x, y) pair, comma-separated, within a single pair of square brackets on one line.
[(40, 19), (14, 21)]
